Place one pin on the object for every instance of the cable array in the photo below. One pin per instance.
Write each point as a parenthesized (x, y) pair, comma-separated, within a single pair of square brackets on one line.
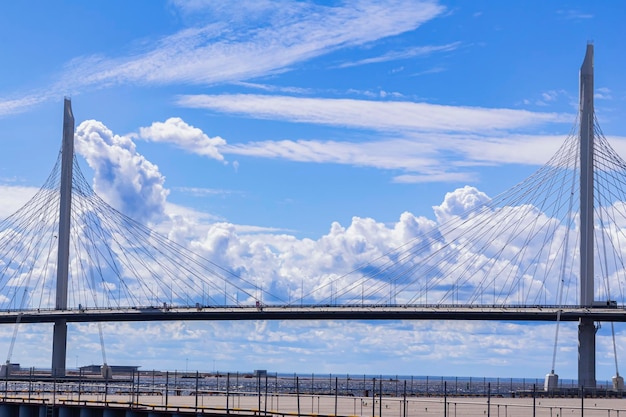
[(115, 262), (519, 248)]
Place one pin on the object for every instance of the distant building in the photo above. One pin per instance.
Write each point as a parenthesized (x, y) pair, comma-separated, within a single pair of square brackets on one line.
[(9, 368), (96, 369)]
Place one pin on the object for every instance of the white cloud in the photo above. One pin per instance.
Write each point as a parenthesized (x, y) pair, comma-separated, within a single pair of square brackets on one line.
[(573, 14), (435, 177), (11, 106), (202, 192), (13, 198), (378, 115), (274, 88), (214, 53), (175, 130), (434, 70), (122, 176), (424, 157), (392, 154), (404, 54), (289, 267), (459, 202), (603, 93), (473, 348)]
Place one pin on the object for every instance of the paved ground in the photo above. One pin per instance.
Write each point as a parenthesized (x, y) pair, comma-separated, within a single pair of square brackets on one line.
[(281, 405)]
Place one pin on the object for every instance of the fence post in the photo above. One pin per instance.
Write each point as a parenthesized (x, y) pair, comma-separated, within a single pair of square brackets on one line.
[(445, 399), (197, 385), (582, 401), (298, 392), (6, 380), (167, 383), (132, 388), (30, 382), (489, 399), (265, 406), (258, 388), (138, 387), (380, 397), (106, 389), (80, 379), (336, 394), (404, 400), (227, 392), (373, 397)]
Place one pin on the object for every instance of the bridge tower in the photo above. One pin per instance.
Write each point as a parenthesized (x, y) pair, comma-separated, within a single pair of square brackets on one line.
[(59, 336), (586, 326)]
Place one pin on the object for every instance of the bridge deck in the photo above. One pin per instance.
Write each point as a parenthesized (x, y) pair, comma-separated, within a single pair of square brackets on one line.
[(326, 312)]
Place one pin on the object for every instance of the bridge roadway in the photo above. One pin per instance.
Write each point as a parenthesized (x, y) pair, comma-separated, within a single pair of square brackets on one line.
[(611, 313)]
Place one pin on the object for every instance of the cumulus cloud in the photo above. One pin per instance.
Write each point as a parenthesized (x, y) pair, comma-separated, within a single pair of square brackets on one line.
[(290, 267), (122, 176), (459, 203), (175, 130)]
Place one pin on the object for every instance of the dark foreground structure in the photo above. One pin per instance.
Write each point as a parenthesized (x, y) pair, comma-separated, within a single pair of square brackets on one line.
[(154, 393)]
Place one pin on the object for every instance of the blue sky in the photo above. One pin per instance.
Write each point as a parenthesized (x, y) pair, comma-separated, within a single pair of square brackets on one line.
[(298, 125)]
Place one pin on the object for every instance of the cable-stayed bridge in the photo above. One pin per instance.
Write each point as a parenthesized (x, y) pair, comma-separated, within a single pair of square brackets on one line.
[(551, 248)]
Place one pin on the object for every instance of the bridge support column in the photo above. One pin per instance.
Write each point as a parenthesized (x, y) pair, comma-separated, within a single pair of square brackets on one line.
[(113, 412), (586, 353), (586, 327), (90, 412), (59, 348), (8, 410), (28, 410), (65, 411)]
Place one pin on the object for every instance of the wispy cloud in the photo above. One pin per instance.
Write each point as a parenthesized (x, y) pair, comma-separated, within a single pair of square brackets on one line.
[(17, 105), (404, 54), (203, 192), (423, 158), (212, 52), (573, 14), (433, 70), (603, 93), (217, 52), (377, 115), (274, 88), (436, 177)]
